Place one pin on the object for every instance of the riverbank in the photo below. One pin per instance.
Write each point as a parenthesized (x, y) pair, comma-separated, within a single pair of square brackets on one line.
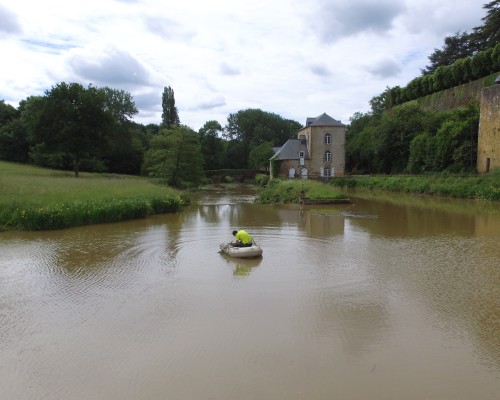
[(34, 198), (473, 187), (290, 191), (478, 187)]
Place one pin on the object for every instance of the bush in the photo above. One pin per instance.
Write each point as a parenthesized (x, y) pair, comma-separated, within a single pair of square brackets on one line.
[(289, 191), (261, 179)]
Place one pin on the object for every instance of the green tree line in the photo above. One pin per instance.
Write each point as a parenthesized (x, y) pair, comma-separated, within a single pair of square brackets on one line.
[(408, 139), (397, 137), (467, 44), (463, 58), (89, 129), (462, 71)]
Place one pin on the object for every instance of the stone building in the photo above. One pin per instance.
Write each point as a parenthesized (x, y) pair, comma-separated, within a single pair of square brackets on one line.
[(318, 152), (488, 143)]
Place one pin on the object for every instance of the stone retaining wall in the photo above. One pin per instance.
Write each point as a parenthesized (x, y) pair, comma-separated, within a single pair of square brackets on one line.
[(488, 146)]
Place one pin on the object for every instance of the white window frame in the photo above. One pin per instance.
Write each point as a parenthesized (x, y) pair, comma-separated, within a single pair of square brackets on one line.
[(328, 138), (327, 172), (327, 157)]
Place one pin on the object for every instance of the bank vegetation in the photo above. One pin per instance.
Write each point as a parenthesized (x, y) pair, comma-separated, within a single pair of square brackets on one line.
[(280, 191), (465, 186), (35, 198)]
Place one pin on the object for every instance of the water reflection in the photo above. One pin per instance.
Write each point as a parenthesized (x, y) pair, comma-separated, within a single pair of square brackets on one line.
[(403, 296), (241, 267)]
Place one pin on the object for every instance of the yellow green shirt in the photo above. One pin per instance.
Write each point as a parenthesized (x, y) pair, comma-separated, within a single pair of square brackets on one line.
[(243, 236)]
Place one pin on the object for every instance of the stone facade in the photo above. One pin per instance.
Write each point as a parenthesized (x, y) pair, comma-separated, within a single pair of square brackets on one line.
[(488, 146), (321, 139), (318, 152)]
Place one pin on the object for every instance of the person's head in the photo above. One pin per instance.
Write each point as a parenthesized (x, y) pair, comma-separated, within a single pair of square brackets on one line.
[(234, 233)]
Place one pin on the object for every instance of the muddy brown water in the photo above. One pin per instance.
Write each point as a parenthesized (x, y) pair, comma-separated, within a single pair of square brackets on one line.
[(381, 299)]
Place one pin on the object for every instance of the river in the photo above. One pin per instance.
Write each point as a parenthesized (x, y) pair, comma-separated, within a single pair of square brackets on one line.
[(388, 298)]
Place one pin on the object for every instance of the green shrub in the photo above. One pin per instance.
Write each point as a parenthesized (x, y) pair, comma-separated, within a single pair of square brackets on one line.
[(261, 179), (289, 191)]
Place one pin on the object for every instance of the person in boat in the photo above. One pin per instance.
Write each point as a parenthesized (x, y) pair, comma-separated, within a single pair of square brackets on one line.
[(242, 239)]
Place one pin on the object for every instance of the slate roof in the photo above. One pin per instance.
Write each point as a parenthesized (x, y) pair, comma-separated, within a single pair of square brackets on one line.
[(290, 150), (323, 120)]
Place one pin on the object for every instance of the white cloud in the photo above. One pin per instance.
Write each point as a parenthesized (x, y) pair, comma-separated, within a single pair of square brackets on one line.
[(9, 25), (283, 56), (441, 18), (320, 69), (226, 69), (166, 28), (209, 104), (110, 66), (386, 67), (338, 19)]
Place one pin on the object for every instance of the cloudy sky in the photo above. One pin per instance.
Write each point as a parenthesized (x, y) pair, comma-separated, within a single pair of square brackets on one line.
[(293, 58)]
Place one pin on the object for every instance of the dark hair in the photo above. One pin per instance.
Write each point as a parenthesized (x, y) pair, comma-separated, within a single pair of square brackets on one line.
[(234, 233)]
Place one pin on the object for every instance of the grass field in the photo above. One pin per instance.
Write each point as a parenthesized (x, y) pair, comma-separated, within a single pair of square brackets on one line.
[(34, 198)]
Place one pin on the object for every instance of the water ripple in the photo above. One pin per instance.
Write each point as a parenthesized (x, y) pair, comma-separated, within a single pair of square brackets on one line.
[(150, 309)]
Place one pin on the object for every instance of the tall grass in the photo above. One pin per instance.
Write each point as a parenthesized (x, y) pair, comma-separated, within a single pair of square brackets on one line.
[(289, 191), (33, 198), (481, 187)]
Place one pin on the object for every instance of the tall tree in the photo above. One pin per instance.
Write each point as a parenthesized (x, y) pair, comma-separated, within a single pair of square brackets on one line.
[(464, 44), (120, 104), (211, 128), (123, 152), (72, 119), (7, 113), (259, 156), (381, 102), (360, 143), (212, 145), (175, 156), (169, 117), (236, 155), (455, 48), (488, 34), (394, 135), (13, 138), (14, 145), (254, 126)]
